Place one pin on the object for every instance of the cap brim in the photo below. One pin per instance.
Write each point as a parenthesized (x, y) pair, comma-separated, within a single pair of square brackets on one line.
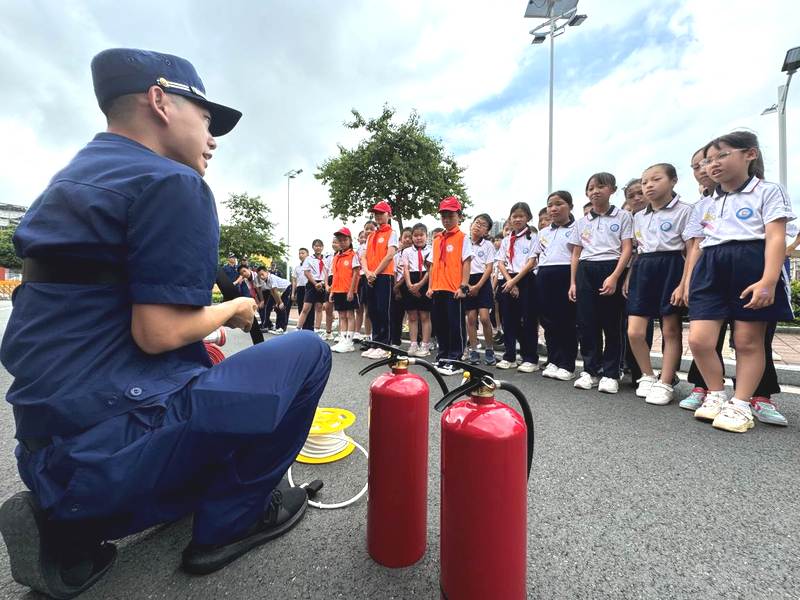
[(223, 118)]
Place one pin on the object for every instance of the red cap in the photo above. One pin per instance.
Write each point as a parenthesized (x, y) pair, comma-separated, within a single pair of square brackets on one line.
[(344, 231), (382, 206), (450, 203)]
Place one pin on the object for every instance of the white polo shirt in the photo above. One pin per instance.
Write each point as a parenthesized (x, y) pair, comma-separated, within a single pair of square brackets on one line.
[(274, 282), (327, 260), (523, 250), (482, 254), (662, 230), (601, 236), (410, 258), (312, 263), (740, 215), (553, 246), (300, 275)]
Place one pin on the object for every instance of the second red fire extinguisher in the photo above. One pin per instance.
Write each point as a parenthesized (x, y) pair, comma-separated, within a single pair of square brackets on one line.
[(397, 509), (487, 451)]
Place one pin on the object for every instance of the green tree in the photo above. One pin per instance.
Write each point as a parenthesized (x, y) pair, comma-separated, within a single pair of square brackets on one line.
[(249, 230), (8, 257), (398, 163)]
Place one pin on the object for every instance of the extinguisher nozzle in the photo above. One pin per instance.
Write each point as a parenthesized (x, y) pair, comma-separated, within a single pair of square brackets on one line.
[(313, 488)]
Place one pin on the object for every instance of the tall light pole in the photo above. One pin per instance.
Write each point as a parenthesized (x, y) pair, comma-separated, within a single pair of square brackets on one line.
[(790, 65), (558, 14), (289, 176)]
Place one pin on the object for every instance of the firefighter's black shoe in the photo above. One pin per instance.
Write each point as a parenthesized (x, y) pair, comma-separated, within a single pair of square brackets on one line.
[(44, 563), (285, 510)]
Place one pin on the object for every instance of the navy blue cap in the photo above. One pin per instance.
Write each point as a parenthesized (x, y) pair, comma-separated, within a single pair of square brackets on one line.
[(120, 71)]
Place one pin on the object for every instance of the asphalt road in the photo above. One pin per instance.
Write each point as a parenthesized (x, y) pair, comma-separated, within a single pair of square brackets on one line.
[(626, 500)]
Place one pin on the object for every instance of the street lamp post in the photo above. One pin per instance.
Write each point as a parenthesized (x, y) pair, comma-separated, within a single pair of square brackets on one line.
[(790, 65), (289, 176), (559, 15)]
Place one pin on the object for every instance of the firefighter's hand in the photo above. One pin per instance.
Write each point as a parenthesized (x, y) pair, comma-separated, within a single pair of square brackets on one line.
[(245, 311)]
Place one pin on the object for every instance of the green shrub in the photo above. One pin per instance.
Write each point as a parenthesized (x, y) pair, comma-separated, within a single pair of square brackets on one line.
[(216, 297), (796, 300)]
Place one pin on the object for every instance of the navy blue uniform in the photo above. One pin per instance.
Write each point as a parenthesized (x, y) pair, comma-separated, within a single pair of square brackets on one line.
[(111, 436)]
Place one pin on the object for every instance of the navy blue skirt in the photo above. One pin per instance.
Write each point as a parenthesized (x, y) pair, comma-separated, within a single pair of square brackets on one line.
[(412, 302), (484, 298), (654, 276)]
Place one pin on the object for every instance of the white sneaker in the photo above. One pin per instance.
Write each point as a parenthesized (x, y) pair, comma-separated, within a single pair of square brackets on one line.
[(347, 345), (660, 394), (357, 337), (338, 347), (608, 385), (504, 364), (381, 353), (711, 406), (448, 369), (368, 352), (734, 417), (585, 381), (645, 383), (413, 348), (424, 350), (563, 375), (550, 371), (528, 367)]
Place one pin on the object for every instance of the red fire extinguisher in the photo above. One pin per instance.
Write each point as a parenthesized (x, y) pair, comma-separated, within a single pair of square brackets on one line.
[(487, 450), (397, 509)]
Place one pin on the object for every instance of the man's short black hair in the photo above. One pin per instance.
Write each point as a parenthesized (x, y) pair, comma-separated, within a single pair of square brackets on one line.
[(303, 250)]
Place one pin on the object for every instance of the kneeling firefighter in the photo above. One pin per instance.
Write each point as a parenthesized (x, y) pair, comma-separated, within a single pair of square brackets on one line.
[(121, 420)]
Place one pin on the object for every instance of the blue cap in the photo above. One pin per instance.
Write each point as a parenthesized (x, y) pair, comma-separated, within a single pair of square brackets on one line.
[(120, 71)]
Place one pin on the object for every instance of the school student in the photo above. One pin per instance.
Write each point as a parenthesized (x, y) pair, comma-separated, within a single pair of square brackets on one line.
[(449, 274), (345, 270), (497, 283), (361, 312), (415, 260), (479, 299), (516, 260), (317, 275), (398, 312), (556, 312), (378, 266), (654, 284), (634, 202), (280, 297), (738, 274), (544, 218), (601, 249), (299, 281)]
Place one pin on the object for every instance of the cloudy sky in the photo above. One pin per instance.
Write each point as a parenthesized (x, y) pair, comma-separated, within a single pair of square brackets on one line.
[(639, 82)]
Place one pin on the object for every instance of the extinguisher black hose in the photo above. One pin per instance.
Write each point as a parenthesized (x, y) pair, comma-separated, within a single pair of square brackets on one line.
[(432, 370), (527, 415)]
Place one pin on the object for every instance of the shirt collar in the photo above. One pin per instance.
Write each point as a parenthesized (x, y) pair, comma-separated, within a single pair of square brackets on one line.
[(524, 231), (567, 224), (611, 212), (747, 187), (675, 198)]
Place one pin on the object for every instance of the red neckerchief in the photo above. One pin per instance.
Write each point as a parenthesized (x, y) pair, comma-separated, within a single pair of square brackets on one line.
[(321, 267), (511, 243), (419, 258), (445, 234)]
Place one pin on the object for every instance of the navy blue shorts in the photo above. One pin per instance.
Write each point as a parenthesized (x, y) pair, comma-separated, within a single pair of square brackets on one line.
[(412, 302), (722, 273), (484, 298), (362, 290), (340, 301), (313, 295), (654, 277)]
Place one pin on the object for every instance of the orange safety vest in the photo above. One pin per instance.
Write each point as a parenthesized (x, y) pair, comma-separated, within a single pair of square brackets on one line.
[(445, 271), (377, 248), (342, 271)]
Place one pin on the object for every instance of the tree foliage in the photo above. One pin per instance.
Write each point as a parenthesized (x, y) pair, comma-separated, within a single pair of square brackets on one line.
[(8, 257), (249, 230), (398, 163)]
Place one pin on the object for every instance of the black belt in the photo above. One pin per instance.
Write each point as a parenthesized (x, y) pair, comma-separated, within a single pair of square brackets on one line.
[(72, 270)]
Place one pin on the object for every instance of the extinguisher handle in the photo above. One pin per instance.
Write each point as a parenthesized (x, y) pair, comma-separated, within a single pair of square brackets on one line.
[(375, 365), (527, 415), (432, 370), (462, 390)]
